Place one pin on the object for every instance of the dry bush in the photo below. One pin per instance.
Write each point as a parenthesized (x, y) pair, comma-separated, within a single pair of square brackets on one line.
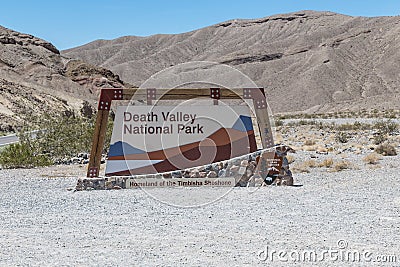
[(372, 158), (309, 148), (300, 168), (374, 166), (328, 163), (290, 159), (379, 138), (386, 149), (359, 145), (309, 142), (279, 138), (341, 165), (310, 163), (305, 166), (322, 150)]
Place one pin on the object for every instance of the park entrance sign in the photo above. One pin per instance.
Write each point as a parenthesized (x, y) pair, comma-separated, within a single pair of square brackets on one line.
[(145, 136), (157, 139), (156, 145)]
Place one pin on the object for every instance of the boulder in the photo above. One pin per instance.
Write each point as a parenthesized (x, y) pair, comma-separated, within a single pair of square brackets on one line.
[(212, 174)]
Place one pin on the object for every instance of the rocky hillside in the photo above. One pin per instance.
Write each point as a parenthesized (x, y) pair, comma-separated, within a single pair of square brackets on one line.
[(307, 61), (35, 78)]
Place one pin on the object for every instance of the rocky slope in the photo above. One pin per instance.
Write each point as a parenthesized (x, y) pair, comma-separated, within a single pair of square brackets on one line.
[(35, 78), (307, 61)]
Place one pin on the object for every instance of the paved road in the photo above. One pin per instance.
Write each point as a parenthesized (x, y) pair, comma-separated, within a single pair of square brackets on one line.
[(8, 139)]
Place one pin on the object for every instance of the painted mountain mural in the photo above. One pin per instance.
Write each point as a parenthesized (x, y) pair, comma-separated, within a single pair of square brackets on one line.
[(225, 143)]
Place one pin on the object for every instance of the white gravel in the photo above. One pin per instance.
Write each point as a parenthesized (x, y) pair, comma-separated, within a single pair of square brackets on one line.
[(43, 224)]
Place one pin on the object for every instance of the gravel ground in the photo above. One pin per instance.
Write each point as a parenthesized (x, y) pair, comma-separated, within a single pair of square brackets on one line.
[(43, 224), (340, 121)]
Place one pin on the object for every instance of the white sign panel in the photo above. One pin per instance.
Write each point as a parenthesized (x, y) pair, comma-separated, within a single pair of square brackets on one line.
[(154, 139)]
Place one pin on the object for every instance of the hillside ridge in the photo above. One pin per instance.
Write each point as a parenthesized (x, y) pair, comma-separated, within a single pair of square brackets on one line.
[(308, 61)]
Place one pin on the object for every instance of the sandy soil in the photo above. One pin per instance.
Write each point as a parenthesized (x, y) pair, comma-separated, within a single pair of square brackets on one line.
[(43, 224)]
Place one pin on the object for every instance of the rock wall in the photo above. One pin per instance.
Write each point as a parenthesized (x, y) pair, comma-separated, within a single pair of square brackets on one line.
[(263, 167)]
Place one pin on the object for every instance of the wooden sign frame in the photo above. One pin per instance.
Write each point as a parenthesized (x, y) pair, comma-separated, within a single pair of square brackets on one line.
[(107, 95)]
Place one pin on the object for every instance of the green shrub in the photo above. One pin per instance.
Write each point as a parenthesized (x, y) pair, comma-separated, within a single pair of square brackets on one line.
[(65, 136), (52, 139), (21, 155)]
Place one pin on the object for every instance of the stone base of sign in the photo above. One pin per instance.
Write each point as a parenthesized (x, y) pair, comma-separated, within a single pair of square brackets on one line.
[(263, 167)]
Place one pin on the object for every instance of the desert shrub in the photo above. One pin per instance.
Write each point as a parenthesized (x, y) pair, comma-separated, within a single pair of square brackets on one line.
[(387, 126), (342, 137), (386, 149), (353, 126), (63, 136), (379, 138), (290, 159), (345, 127), (51, 139), (372, 158), (307, 122), (391, 114), (309, 148), (304, 167), (22, 155), (281, 117), (341, 165), (328, 163), (279, 122), (310, 163), (309, 142), (300, 168)]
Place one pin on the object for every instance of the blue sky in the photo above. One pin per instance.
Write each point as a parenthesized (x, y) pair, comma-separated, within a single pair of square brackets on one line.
[(75, 22)]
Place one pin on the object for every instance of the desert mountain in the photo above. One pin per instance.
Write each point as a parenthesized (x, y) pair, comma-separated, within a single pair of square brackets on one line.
[(35, 78), (307, 61)]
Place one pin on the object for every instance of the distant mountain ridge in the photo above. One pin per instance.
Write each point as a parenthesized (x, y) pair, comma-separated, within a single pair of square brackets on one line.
[(307, 61)]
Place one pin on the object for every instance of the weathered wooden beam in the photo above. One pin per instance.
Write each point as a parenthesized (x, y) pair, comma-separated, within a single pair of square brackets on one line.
[(179, 94), (104, 106), (97, 144)]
